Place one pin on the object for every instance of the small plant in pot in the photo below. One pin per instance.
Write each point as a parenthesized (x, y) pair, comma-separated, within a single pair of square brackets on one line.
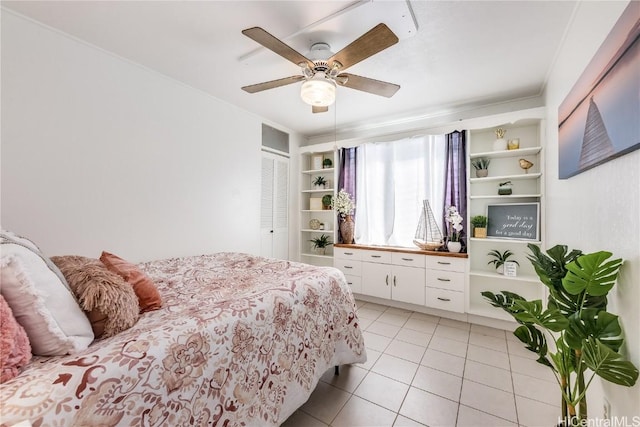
[(479, 223), (320, 182), (326, 201), (499, 258), (327, 164), (481, 164), (586, 338), (321, 243)]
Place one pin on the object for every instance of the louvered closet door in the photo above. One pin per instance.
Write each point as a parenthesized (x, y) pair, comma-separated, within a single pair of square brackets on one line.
[(274, 218)]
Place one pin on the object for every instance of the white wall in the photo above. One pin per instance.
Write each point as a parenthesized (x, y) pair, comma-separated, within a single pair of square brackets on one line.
[(598, 209), (100, 153)]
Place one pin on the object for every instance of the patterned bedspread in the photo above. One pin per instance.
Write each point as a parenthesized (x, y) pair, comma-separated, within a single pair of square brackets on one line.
[(240, 341)]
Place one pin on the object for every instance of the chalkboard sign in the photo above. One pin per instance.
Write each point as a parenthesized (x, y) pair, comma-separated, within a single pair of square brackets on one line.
[(519, 221)]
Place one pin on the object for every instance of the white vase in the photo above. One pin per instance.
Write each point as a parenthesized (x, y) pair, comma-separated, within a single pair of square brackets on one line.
[(454, 246), (500, 144)]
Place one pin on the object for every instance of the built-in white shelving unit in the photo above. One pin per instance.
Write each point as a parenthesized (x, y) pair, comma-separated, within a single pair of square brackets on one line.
[(309, 173), (528, 186)]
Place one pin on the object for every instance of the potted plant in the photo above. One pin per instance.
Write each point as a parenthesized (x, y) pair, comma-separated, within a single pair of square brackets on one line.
[(320, 182), (479, 223), (584, 333), (321, 243), (500, 258), (454, 219), (327, 163), (481, 164), (326, 201)]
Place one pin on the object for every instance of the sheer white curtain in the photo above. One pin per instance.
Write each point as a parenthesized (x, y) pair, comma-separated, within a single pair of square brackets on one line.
[(393, 179)]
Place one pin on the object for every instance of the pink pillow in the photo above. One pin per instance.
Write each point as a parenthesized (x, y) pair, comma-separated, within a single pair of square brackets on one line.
[(146, 291), (16, 351)]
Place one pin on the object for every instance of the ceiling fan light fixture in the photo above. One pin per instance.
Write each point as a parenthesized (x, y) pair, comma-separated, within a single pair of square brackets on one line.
[(318, 91)]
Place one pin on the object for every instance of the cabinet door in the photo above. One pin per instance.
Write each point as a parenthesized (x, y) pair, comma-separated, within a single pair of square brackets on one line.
[(376, 280), (408, 285)]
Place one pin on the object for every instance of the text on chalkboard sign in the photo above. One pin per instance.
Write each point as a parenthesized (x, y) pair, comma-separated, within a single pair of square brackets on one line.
[(519, 221)]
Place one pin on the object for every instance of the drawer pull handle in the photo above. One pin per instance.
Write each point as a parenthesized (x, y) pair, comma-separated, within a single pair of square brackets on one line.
[(444, 263), (386, 280), (443, 280), (394, 281), (444, 299), (348, 253), (347, 266), (376, 256), (407, 259), (349, 283)]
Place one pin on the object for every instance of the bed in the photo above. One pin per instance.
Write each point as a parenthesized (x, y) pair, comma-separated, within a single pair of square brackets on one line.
[(240, 341)]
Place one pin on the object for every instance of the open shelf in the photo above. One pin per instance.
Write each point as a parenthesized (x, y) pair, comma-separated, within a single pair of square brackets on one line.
[(321, 190), (317, 256), (510, 196), (507, 177), (521, 278), (507, 153), (496, 239), (325, 170)]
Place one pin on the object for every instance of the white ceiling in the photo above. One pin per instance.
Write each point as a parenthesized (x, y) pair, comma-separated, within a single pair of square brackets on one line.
[(464, 53)]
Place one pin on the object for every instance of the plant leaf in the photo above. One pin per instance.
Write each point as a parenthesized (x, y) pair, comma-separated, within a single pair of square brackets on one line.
[(594, 323), (608, 364), (531, 312), (591, 273), (504, 300), (534, 341)]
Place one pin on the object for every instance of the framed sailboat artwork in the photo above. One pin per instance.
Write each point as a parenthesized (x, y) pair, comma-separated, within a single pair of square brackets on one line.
[(598, 120)]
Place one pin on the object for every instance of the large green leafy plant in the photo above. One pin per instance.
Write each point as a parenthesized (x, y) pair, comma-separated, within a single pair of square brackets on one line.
[(583, 333)]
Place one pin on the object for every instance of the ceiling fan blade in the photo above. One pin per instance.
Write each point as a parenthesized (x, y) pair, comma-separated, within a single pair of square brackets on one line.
[(316, 109), (373, 41), (272, 43), (366, 84), (258, 87)]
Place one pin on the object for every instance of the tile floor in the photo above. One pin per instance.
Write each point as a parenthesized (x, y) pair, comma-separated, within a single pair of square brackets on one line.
[(429, 371)]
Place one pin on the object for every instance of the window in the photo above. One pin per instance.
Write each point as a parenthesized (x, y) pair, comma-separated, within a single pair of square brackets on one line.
[(392, 181)]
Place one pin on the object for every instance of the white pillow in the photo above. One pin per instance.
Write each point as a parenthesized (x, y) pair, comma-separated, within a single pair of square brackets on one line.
[(42, 304)]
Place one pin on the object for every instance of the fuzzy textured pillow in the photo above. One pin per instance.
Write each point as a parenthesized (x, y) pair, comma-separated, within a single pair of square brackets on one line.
[(109, 301), (15, 351), (148, 295)]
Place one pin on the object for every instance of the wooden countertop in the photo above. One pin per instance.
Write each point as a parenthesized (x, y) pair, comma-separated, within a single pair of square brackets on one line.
[(401, 249)]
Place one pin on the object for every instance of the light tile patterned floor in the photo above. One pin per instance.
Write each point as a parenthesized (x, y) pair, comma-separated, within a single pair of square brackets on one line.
[(428, 371)]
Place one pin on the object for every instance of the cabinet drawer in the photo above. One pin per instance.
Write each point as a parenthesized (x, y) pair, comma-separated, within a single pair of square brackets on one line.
[(346, 253), (443, 279), (355, 283), (445, 300), (411, 260), (348, 266), (377, 256), (447, 263)]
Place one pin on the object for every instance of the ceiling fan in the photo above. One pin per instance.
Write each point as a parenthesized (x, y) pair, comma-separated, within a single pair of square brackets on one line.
[(324, 70)]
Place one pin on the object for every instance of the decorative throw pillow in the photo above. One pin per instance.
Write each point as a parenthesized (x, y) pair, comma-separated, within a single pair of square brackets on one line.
[(148, 295), (9, 237), (14, 344), (42, 304), (110, 302)]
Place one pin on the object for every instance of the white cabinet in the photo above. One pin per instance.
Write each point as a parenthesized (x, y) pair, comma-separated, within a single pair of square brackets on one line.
[(393, 275), (445, 278), (349, 262), (313, 166), (528, 186), (408, 276), (274, 207)]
